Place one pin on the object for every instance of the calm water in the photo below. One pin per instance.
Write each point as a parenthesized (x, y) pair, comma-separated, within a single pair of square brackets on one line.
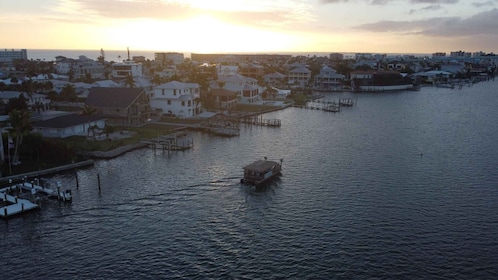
[(401, 186)]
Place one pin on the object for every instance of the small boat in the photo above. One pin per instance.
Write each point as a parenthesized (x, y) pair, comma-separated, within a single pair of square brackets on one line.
[(44, 187), (261, 171)]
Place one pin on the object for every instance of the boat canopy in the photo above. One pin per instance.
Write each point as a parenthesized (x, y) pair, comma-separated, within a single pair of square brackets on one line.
[(260, 166)]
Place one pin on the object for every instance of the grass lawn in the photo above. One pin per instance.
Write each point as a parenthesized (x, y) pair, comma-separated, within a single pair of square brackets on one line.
[(133, 136)]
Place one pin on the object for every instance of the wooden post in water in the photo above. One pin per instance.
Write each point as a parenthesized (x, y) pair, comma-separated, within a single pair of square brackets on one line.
[(77, 181), (98, 180)]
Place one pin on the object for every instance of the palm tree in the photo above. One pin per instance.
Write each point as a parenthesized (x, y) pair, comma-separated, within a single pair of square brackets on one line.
[(129, 81), (68, 93), (156, 80), (21, 125), (88, 110), (108, 129)]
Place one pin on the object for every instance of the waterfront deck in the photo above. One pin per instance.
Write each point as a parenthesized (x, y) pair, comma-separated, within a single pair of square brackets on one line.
[(176, 142), (14, 205), (260, 121)]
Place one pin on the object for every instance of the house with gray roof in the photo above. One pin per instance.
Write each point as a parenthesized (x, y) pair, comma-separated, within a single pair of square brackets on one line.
[(68, 125), (246, 88), (120, 105), (177, 99), (328, 80)]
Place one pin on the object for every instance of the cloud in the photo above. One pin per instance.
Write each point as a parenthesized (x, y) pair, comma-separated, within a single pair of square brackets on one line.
[(483, 4), (427, 8), (237, 12), (434, 1), (483, 23), (385, 2)]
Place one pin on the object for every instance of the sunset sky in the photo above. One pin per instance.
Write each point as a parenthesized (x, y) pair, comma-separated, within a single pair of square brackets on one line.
[(203, 26)]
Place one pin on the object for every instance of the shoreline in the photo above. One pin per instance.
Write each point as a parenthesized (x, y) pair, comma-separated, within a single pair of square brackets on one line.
[(49, 171), (104, 155)]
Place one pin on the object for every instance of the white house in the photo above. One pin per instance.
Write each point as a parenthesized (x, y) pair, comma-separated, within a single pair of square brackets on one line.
[(68, 125), (226, 70), (177, 98), (328, 79), (121, 70), (299, 76), (80, 67), (33, 101)]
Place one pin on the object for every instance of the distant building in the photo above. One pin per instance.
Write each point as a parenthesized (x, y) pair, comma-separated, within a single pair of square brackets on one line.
[(10, 55), (139, 58), (439, 54), (336, 56), (273, 59), (80, 68), (168, 58), (121, 70), (460, 54)]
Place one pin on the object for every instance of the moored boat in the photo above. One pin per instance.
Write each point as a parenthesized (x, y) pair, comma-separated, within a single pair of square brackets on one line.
[(261, 171)]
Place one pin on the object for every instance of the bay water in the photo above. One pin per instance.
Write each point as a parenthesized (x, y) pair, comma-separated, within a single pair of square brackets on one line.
[(403, 185)]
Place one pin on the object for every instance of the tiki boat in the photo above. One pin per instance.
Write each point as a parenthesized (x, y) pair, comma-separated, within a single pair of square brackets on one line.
[(261, 171)]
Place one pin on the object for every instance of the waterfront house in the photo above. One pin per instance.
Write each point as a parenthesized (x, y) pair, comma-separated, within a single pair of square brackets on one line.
[(328, 79), (34, 101), (68, 125), (275, 79), (120, 105), (177, 99), (380, 81), (247, 88), (434, 76), (225, 99), (299, 76)]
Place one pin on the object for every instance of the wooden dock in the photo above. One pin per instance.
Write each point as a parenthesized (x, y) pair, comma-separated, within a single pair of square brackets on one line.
[(260, 121), (176, 142), (333, 106), (13, 205)]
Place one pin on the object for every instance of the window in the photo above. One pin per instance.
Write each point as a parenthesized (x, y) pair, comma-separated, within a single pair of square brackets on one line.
[(169, 102), (183, 103)]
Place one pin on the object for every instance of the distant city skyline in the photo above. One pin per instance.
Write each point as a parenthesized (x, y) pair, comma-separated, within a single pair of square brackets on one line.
[(219, 26)]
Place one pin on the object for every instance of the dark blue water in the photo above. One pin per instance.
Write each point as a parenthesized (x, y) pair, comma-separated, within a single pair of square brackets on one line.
[(402, 186)]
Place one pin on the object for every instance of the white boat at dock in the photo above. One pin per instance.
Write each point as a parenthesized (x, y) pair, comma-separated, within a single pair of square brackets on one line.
[(22, 197)]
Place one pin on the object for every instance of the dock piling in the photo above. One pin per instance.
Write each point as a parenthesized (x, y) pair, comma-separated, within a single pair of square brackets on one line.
[(98, 180)]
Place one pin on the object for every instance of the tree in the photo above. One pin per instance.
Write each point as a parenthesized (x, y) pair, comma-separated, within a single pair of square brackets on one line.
[(129, 81), (21, 125), (88, 78), (18, 103), (88, 110), (68, 93), (156, 80), (108, 129)]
